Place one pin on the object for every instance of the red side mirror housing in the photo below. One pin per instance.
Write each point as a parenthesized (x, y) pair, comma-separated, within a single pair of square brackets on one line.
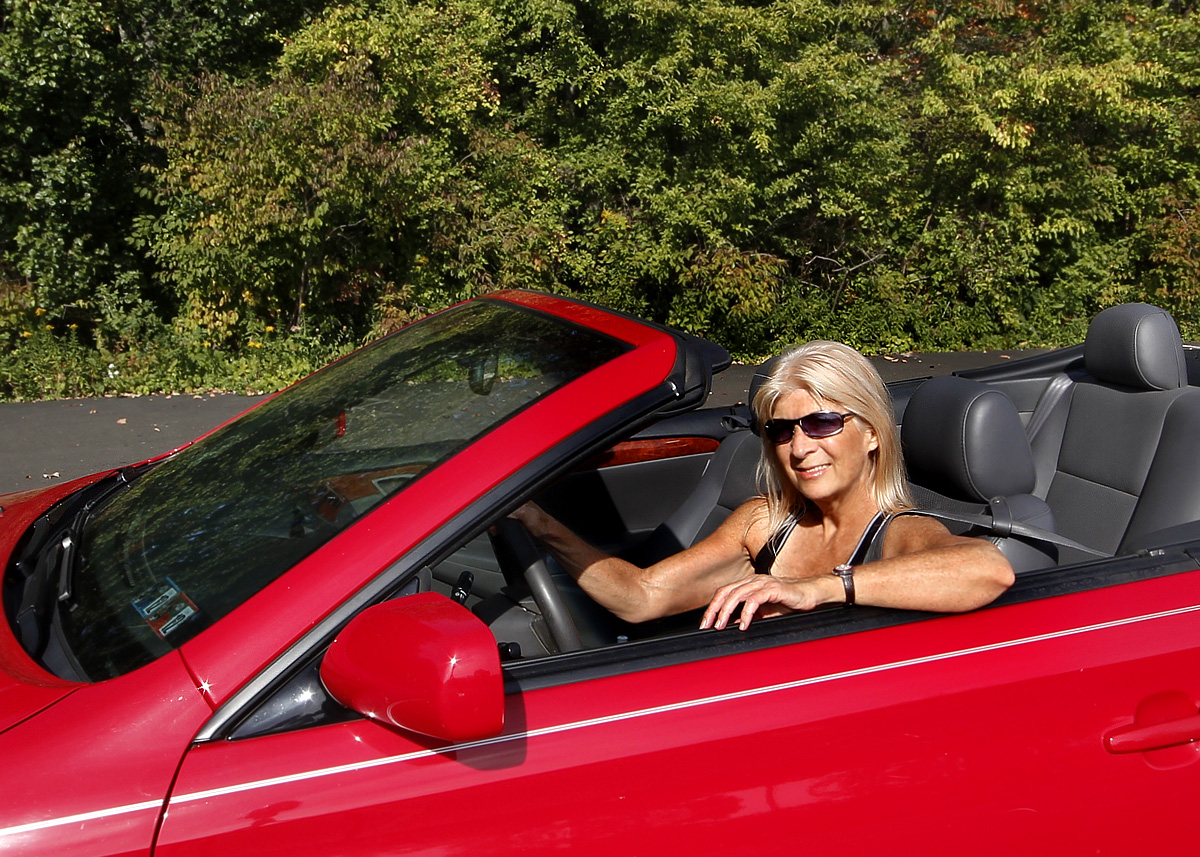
[(422, 663)]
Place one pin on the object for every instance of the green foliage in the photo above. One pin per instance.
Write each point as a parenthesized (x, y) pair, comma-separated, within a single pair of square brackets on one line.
[(278, 198), (708, 146), (426, 58), (360, 187), (244, 186), (1049, 140), (48, 365), (63, 150), (45, 366), (75, 116)]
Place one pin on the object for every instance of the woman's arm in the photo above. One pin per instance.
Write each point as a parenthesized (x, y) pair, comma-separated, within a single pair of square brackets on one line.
[(681, 582), (924, 567)]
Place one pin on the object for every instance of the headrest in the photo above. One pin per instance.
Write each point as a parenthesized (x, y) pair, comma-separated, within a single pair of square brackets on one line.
[(965, 440), (761, 373), (1135, 345)]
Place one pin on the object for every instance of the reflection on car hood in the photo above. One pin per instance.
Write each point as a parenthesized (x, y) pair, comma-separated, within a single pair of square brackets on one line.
[(25, 688), (20, 700)]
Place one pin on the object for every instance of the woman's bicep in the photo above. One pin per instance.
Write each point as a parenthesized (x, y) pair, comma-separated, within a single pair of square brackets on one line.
[(912, 533), (722, 557)]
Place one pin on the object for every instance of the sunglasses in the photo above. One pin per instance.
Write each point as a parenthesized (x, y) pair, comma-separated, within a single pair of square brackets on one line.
[(816, 425)]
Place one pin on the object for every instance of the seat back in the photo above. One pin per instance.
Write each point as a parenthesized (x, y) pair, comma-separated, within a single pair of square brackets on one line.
[(966, 452), (1120, 462), (729, 480)]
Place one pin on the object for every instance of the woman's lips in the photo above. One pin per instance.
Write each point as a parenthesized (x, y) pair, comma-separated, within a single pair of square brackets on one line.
[(812, 472)]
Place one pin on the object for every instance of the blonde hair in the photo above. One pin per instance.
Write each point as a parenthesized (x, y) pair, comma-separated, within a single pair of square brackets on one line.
[(834, 373)]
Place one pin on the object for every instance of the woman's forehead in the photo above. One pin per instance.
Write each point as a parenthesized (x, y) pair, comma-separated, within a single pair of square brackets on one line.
[(800, 402)]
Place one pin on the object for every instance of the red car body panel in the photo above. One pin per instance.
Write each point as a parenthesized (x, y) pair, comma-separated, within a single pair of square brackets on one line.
[(88, 775), (936, 726)]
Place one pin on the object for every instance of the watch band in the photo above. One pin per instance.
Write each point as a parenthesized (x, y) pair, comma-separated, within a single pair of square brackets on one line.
[(846, 572)]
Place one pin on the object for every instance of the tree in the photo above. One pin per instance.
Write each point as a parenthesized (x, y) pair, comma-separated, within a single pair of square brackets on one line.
[(75, 127)]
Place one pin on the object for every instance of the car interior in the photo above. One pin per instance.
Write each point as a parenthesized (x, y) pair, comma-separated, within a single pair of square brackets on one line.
[(1063, 458)]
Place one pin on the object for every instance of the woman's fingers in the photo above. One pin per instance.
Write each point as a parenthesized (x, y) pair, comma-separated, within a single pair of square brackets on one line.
[(531, 516), (750, 594)]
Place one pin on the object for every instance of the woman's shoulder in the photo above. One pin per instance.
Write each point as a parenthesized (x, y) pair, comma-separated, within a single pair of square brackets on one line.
[(751, 521), (913, 530)]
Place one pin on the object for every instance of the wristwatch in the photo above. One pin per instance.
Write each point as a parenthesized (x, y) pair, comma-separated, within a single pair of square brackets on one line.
[(846, 572)]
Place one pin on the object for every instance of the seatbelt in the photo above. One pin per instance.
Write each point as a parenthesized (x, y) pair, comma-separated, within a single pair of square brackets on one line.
[(1058, 387), (998, 521)]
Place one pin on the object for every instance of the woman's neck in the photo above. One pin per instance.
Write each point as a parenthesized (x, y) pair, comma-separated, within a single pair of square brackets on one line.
[(853, 512)]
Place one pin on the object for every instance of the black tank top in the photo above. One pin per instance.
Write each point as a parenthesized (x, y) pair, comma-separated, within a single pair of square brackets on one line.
[(869, 548)]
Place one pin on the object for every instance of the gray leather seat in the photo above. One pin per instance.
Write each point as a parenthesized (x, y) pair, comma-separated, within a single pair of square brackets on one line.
[(730, 479), (727, 482), (967, 455), (1117, 457)]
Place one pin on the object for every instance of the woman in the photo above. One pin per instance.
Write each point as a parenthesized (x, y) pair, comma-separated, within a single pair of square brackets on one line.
[(834, 526)]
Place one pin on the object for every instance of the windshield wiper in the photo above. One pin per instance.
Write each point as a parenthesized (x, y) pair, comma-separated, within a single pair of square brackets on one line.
[(72, 533), (68, 556), (44, 571)]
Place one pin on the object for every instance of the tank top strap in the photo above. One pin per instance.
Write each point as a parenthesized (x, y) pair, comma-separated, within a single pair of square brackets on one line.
[(766, 557), (870, 550)]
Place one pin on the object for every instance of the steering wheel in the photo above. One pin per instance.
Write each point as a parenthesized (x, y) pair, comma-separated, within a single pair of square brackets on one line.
[(520, 560)]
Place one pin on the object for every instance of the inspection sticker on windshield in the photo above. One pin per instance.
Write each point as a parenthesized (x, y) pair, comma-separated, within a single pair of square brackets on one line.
[(166, 608)]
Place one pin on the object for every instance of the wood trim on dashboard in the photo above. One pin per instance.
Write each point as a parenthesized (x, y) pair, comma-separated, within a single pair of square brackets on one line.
[(651, 449)]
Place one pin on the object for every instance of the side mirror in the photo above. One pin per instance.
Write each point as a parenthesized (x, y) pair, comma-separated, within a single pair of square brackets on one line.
[(423, 663)]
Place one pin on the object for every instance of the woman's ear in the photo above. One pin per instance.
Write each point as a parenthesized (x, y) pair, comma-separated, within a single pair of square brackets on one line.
[(872, 438)]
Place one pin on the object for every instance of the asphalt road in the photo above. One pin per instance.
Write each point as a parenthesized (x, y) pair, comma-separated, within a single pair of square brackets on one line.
[(53, 441)]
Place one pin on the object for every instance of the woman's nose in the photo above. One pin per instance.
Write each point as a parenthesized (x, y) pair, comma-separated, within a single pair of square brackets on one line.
[(801, 444)]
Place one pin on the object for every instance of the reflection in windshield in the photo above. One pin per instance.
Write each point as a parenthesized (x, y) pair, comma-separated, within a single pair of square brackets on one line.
[(203, 531)]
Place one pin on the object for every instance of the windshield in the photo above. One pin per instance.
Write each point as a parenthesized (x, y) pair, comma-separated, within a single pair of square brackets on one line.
[(203, 531)]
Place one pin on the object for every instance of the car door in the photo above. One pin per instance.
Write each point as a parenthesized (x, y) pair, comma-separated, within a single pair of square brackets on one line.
[(856, 730)]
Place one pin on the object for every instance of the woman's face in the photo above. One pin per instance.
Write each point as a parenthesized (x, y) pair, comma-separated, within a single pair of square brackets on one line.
[(830, 469)]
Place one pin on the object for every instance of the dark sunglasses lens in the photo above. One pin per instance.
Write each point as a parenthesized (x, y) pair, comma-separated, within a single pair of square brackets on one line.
[(779, 431), (824, 424)]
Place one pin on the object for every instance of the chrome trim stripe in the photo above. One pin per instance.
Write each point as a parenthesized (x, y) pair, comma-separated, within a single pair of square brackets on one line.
[(80, 818), (254, 785)]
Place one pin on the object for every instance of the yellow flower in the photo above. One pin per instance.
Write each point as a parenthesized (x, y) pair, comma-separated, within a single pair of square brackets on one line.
[(25, 334), (270, 328), (253, 344)]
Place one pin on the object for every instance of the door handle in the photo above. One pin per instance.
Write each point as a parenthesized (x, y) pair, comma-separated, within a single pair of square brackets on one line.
[(1136, 738)]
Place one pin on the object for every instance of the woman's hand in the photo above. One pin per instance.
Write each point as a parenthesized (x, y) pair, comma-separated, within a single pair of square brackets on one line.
[(776, 594), (532, 517)]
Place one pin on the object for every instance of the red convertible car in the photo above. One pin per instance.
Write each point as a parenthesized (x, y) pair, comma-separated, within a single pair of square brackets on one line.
[(315, 630)]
